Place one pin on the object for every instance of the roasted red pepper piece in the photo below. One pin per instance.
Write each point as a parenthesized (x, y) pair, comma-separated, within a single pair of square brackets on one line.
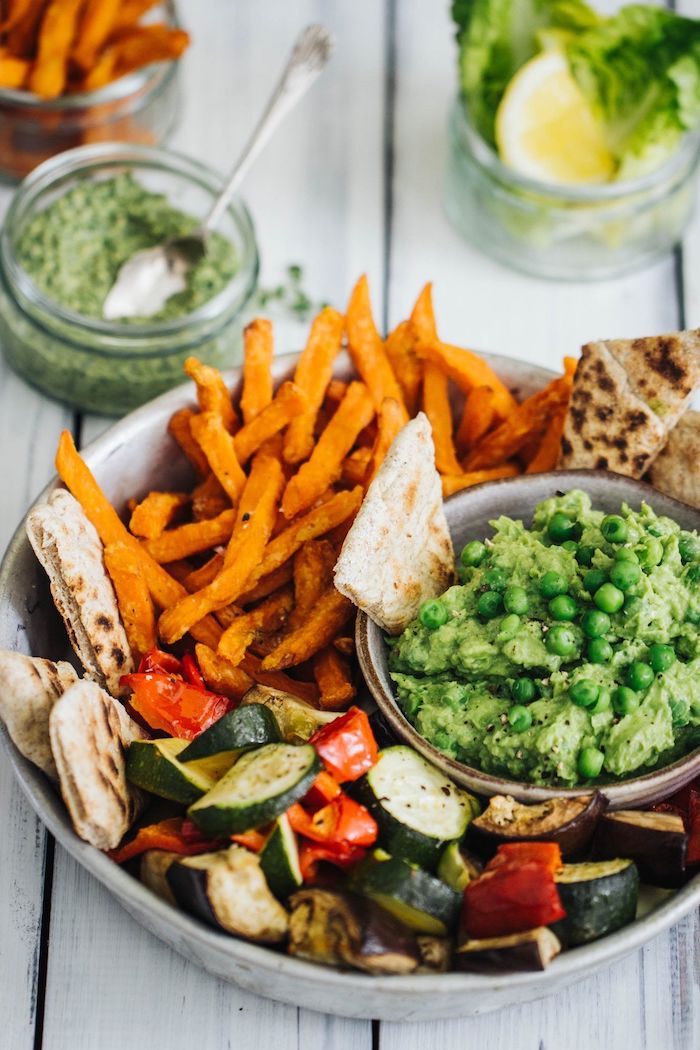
[(252, 840), (174, 706), (167, 835), (192, 673), (323, 790), (510, 899), (346, 745), (156, 660), (686, 804), (343, 821), (311, 854), (546, 853)]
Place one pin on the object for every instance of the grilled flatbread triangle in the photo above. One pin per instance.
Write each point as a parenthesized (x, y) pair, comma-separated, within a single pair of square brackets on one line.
[(30, 688), (69, 549), (676, 469), (398, 551), (628, 394), (89, 732)]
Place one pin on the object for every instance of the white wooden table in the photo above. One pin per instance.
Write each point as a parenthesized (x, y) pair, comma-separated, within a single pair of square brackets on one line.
[(351, 183)]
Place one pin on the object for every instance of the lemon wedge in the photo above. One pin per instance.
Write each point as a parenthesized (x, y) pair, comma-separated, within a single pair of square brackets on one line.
[(545, 128)]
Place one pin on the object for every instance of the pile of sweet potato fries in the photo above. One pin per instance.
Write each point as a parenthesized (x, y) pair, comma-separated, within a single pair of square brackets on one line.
[(52, 47), (243, 563)]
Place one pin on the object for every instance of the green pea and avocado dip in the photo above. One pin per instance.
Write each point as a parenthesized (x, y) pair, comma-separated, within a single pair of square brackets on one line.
[(569, 652), (73, 249)]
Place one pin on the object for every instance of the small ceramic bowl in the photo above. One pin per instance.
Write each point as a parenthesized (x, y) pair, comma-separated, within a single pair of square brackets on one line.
[(468, 516)]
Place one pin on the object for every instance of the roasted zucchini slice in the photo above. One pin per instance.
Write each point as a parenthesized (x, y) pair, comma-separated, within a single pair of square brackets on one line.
[(418, 809), (155, 766), (236, 732), (419, 900), (279, 859), (598, 897), (260, 787)]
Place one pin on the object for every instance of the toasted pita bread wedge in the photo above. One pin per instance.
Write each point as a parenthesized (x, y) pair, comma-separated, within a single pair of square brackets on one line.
[(628, 394), (676, 469), (30, 688), (89, 732), (69, 549), (398, 551)]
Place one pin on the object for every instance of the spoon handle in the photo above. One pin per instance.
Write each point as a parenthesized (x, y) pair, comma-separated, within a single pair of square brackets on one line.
[(308, 59)]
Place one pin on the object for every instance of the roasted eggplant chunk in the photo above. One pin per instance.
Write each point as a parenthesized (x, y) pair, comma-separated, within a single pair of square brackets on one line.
[(570, 822), (435, 953), (531, 950), (656, 842), (340, 929), (598, 897), (153, 870), (228, 890)]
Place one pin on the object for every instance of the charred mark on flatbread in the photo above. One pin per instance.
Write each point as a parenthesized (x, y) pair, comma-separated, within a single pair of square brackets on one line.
[(640, 461), (118, 655), (635, 420), (578, 418), (603, 413), (104, 621), (588, 445), (410, 496), (566, 446), (601, 463)]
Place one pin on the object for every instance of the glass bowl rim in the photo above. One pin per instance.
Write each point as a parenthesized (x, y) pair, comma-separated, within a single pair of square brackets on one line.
[(485, 155), (87, 160)]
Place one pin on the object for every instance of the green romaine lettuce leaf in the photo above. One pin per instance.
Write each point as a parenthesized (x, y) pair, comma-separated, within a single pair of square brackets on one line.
[(496, 37), (641, 73)]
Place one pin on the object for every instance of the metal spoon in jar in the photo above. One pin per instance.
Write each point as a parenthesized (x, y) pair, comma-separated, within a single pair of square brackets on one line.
[(147, 280)]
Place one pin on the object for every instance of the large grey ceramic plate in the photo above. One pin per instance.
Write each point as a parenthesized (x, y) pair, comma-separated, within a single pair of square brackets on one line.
[(132, 457), (468, 515)]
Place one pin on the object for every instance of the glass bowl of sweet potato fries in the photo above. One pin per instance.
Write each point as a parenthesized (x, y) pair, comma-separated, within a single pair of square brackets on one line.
[(74, 73)]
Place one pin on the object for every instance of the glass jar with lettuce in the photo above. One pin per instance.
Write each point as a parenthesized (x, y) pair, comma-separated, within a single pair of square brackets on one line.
[(575, 139)]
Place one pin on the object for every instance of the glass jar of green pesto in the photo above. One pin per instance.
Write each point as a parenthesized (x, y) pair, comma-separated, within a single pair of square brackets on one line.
[(72, 222)]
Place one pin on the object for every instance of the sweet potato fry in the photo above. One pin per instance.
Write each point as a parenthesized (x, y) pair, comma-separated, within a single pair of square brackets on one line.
[(345, 645), (529, 417), (205, 574), (547, 455), (22, 36), (179, 430), (407, 366), (243, 555), (78, 479), (436, 405), (146, 44), (452, 483), (335, 392), (326, 462), (464, 367), (180, 569), (478, 416), (220, 675), (267, 584), (58, 27), (270, 615), (212, 392), (192, 538), (390, 422), (257, 377), (265, 466), (152, 515), (328, 616), (313, 574), (96, 23), (13, 71), (312, 375), (209, 499), (355, 466), (278, 680), (103, 72), (130, 11), (289, 401), (124, 566), (216, 443), (367, 350), (332, 674)]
